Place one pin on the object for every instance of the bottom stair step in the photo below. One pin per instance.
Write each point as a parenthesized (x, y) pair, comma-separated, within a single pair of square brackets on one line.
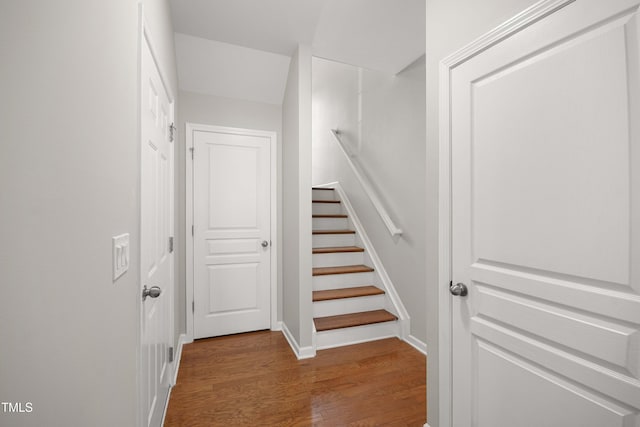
[(353, 319)]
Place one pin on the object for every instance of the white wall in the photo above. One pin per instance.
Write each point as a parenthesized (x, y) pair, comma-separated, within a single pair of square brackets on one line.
[(214, 110), (296, 203), (221, 69), (451, 24), (69, 173), (391, 151)]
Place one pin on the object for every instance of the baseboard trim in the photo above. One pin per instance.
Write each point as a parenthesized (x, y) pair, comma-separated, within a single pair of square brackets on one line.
[(182, 340), (417, 344), (300, 352), (166, 406), (277, 326)]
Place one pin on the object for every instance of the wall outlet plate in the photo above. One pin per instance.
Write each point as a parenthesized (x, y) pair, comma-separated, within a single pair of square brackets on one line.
[(120, 246)]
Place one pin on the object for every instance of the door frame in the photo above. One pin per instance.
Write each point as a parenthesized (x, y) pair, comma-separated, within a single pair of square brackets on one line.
[(190, 128), (510, 27), (145, 36)]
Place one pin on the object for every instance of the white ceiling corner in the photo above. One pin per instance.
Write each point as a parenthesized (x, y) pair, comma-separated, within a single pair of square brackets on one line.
[(276, 26), (241, 48), (383, 35), (222, 69)]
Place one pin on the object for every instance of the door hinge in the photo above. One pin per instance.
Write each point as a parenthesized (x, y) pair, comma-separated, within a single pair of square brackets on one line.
[(192, 230), (192, 150), (193, 306), (171, 244), (172, 132), (170, 354)]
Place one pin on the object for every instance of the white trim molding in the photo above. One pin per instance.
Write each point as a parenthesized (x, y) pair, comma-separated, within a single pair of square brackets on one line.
[(300, 352), (190, 128), (447, 65), (145, 37), (178, 357), (277, 327), (419, 345)]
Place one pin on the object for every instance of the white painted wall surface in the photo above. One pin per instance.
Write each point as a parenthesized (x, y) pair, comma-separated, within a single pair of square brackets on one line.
[(451, 24), (296, 202), (69, 172), (291, 201), (391, 153), (214, 110), (222, 69)]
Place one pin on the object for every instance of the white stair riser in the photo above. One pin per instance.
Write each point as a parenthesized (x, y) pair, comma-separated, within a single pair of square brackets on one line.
[(331, 240), (330, 224), (326, 208), (341, 281), (338, 259), (358, 334), (348, 305), (323, 195)]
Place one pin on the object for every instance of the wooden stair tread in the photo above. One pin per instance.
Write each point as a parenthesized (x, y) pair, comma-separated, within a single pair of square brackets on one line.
[(322, 188), (337, 249), (359, 291), (353, 319), (333, 232), (330, 216), (346, 269), (325, 201)]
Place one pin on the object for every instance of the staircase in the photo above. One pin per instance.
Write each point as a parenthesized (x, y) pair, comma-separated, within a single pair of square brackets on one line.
[(350, 304)]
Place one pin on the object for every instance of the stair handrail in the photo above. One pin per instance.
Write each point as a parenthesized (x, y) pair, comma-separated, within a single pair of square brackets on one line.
[(366, 185)]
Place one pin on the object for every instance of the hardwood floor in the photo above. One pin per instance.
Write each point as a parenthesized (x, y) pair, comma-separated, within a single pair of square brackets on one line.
[(255, 379)]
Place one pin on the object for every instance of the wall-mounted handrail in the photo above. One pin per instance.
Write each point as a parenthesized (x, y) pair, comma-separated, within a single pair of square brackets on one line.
[(366, 185)]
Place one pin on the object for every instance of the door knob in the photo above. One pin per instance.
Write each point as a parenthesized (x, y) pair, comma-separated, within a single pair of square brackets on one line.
[(459, 290), (153, 292), (264, 243)]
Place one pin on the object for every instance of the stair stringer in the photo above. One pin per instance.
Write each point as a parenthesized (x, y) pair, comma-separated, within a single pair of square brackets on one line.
[(393, 303)]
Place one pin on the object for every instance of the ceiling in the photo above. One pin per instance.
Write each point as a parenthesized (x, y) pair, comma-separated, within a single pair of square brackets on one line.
[(383, 35), (231, 71), (275, 26)]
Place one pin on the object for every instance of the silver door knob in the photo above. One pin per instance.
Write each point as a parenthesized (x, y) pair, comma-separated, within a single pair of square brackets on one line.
[(264, 243), (153, 292), (459, 290)]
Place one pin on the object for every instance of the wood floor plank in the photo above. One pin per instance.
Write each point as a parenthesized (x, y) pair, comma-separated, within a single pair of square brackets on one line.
[(353, 319), (337, 249), (358, 291), (254, 379), (345, 269)]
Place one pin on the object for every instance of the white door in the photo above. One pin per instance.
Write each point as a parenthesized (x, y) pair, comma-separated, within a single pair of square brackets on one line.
[(545, 146), (155, 258), (231, 210)]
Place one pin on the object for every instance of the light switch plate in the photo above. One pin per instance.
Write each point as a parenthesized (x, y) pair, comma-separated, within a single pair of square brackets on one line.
[(120, 254)]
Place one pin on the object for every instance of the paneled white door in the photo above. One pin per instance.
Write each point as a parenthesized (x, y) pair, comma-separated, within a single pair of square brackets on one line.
[(545, 146), (232, 232), (155, 258)]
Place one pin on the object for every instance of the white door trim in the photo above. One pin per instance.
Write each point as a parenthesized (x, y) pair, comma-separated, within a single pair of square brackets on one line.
[(190, 128), (145, 36), (447, 65)]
